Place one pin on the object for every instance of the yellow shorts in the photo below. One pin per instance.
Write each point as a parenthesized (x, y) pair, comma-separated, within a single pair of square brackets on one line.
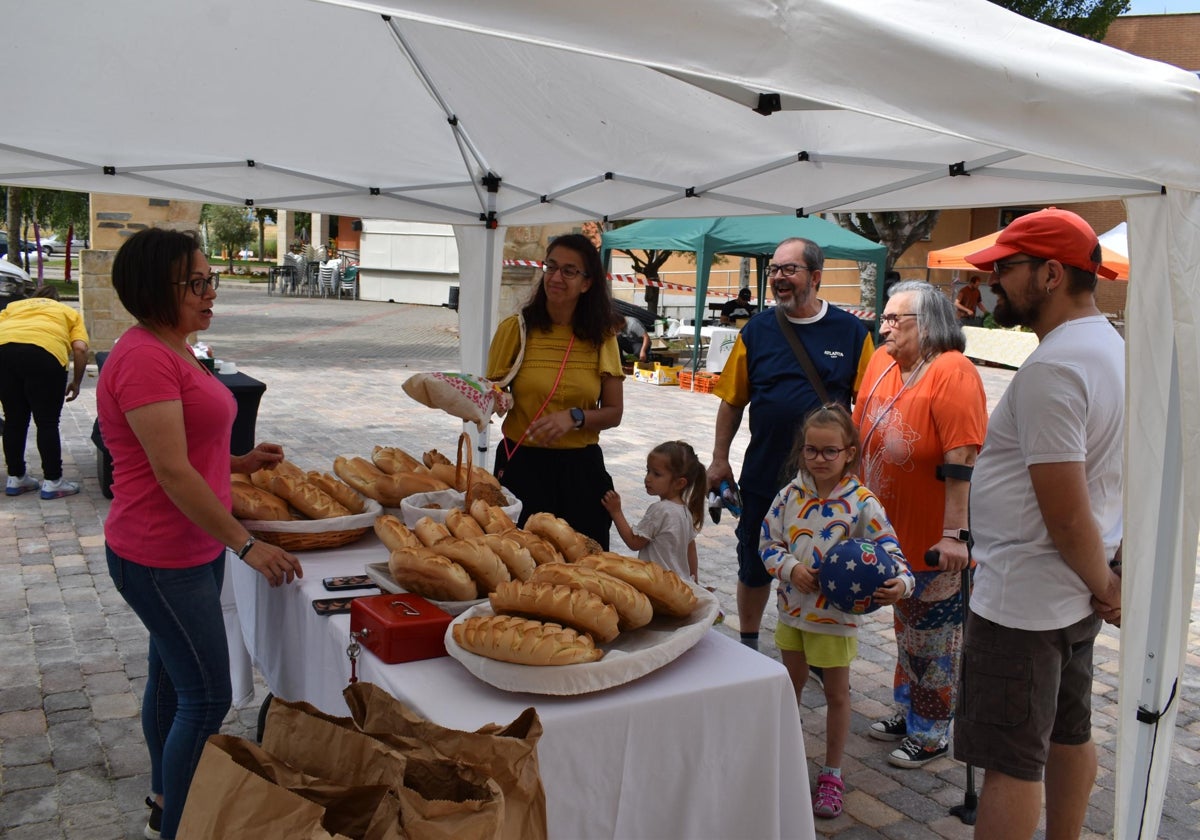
[(819, 649)]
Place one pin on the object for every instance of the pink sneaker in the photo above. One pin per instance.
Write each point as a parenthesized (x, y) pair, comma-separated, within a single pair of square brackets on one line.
[(827, 801)]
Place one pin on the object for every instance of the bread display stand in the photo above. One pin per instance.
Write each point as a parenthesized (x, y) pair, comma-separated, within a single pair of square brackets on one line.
[(437, 506), (631, 655), (378, 572), (310, 534)]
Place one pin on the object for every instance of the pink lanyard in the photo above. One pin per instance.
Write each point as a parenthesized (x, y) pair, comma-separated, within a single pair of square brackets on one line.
[(508, 453)]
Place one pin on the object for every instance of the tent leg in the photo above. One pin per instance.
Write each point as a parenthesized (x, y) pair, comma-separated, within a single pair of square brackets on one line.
[(970, 804)]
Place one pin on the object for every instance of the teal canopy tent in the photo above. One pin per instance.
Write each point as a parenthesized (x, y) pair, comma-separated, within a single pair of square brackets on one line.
[(743, 236)]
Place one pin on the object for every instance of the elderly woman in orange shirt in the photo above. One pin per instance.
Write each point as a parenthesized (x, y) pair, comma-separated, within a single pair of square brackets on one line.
[(922, 415)]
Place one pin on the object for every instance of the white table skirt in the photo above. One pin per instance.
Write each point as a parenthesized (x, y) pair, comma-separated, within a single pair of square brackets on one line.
[(707, 747)]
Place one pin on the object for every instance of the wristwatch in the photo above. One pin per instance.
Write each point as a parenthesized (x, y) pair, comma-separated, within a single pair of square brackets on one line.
[(577, 417), (960, 534)]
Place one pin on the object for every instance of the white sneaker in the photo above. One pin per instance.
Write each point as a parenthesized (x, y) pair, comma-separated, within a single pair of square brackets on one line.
[(16, 486), (58, 489)]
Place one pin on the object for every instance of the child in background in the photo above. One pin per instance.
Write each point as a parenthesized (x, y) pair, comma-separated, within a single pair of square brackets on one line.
[(667, 533), (823, 505)]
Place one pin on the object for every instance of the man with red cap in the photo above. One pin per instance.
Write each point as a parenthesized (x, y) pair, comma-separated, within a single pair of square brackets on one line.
[(1046, 517)]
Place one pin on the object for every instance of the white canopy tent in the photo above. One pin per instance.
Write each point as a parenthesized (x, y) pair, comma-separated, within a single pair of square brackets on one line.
[(491, 114)]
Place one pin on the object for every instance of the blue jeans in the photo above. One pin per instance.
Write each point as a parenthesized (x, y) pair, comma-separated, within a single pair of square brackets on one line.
[(188, 691)]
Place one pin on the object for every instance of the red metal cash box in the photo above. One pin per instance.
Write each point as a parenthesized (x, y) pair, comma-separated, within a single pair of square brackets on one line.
[(399, 627)]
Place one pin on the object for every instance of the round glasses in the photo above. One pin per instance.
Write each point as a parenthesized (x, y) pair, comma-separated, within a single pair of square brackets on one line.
[(826, 453)]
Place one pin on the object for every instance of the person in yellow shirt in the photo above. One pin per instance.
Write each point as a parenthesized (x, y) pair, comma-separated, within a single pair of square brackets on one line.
[(39, 338)]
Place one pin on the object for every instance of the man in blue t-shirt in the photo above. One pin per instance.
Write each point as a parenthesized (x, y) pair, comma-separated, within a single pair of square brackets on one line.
[(763, 372)]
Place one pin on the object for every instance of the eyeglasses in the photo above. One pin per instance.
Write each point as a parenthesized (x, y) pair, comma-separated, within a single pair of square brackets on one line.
[(201, 284), (786, 270), (827, 453), (568, 272), (893, 318), (1001, 268)]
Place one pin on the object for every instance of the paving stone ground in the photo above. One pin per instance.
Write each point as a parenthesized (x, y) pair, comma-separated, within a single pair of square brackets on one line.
[(72, 655)]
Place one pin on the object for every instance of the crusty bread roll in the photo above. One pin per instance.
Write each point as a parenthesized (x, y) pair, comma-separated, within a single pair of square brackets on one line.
[(633, 608), (524, 641), (514, 555), (424, 572), (491, 518), (240, 478), (481, 563), (286, 467), (558, 531), (250, 502), (388, 490), (307, 498), (393, 460), (667, 591), (345, 495), (434, 457), (395, 534), (542, 550), (262, 479), (569, 607), (462, 525), (430, 533)]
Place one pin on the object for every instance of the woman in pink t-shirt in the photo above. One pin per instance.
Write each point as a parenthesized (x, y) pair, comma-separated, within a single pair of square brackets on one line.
[(167, 422)]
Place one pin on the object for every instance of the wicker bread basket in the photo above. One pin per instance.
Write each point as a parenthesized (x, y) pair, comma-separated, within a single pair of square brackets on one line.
[(312, 534)]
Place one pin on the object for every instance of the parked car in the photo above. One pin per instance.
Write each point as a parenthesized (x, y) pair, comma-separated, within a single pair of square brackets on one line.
[(28, 247), (51, 245), (15, 283)]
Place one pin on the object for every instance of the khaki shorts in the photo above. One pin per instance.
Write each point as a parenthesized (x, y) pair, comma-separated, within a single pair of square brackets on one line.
[(819, 649), (1020, 691)]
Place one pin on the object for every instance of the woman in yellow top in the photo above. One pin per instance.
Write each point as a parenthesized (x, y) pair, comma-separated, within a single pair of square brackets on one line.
[(38, 338), (568, 388)]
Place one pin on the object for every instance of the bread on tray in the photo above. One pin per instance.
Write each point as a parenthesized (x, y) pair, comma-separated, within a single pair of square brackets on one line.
[(395, 534), (524, 641), (481, 563), (667, 591), (424, 572), (575, 608), (633, 608)]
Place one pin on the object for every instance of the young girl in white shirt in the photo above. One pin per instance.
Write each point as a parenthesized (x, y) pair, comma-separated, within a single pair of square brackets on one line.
[(667, 533)]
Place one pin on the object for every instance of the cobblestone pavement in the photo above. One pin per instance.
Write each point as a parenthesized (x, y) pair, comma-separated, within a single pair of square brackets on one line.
[(72, 655)]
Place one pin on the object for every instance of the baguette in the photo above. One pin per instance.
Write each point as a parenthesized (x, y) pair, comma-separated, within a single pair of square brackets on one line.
[(345, 495), (514, 555), (393, 460), (430, 533), (388, 490), (491, 518), (261, 478), (542, 551), (667, 591), (424, 572), (243, 478), (250, 502), (558, 531), (462, 525), (481, 563), (524, 641), (633, 608), (307, 498), (575, 608), (395, 534), (434, 457)]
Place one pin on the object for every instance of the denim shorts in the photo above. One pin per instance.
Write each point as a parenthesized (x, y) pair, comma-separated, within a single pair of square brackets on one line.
[(1020, 691)]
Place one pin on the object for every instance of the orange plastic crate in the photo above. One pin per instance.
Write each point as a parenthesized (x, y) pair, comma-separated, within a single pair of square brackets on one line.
[(704, 381)]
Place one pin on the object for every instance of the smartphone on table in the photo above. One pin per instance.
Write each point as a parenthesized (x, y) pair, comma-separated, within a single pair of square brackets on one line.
[(337, 584), (332, 606)]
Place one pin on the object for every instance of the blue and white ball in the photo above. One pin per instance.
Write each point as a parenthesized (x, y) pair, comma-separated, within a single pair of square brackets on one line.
[(851, 571)]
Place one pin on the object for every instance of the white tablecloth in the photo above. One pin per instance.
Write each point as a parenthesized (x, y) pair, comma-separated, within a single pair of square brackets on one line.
[(707, 747)]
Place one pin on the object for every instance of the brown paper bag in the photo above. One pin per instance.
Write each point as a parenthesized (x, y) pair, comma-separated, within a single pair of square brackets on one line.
[(241, 792), (507, 754), (438, 798)]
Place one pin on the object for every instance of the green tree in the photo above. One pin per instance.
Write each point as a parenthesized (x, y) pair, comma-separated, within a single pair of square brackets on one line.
[(229, 227), (1085, 18), (262, 215)]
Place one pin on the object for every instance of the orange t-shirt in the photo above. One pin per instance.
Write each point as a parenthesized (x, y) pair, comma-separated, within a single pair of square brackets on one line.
[(944, 409)]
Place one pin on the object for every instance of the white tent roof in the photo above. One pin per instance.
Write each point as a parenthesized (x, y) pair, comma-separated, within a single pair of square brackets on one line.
[(629, 108)]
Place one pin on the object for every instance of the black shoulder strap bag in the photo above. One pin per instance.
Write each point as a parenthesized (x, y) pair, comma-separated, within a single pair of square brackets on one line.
[(802, 356)]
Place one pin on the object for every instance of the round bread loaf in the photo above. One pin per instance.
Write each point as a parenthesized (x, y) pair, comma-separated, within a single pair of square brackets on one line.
[(667, 591), (424, 572), (576, 608), (524, 641), (633, 608)]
